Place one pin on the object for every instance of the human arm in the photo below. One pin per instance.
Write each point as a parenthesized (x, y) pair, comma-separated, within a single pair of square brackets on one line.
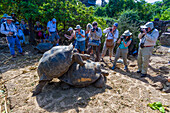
[(99, 33), (106, 30), (140, 35), (3, 31), (48, 28), (118, 41), (128, 43), (82, 34), (152, 37)]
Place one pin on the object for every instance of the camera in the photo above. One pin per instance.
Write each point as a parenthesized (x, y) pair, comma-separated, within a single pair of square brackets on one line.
[(142, 30), (142, 45), (123, 37), (110, 29), (94, 29)]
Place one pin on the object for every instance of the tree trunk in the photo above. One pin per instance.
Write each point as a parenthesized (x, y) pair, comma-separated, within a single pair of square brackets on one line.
[(32, 39)]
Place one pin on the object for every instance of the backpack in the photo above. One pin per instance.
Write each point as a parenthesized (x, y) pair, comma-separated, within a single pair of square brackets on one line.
[(3, 35), (40, 34)]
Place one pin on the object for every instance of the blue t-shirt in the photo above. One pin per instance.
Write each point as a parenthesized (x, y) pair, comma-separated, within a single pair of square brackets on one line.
[(121, 46)]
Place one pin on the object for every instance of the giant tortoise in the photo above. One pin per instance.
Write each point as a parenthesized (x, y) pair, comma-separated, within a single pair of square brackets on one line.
[(43, 47), (81, 76), (55, 62)]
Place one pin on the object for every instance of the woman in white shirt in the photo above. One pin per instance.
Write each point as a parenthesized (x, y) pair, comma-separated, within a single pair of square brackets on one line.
[(111, 38)]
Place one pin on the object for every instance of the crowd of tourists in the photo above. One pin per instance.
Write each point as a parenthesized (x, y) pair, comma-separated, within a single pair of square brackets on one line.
[(88, 40)]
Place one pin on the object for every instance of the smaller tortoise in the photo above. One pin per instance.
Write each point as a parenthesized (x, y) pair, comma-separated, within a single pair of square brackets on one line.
[(43, 47), (55, 63), (81, 76)]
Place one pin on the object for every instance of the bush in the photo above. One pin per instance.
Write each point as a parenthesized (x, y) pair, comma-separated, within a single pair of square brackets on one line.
[(100, 11)]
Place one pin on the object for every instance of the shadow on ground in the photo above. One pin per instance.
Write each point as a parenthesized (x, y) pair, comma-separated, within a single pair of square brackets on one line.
[(54, 99), (7, 62)]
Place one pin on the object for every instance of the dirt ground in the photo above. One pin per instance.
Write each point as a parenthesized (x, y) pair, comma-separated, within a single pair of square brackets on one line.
[(124, 91)]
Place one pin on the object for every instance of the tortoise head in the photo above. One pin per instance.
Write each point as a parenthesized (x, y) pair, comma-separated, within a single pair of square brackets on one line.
[(70, 47)]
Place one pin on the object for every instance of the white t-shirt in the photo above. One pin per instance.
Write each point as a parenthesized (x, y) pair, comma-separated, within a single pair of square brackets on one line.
[(110, 36), (52, 27)]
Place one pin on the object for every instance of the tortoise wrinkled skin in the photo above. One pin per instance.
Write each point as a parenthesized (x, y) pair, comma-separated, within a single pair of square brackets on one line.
[(81, 76)]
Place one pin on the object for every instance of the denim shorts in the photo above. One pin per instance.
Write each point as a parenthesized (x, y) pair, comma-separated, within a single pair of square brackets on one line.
[(54, 37), (74, 42), (80, 45), (94, 43)]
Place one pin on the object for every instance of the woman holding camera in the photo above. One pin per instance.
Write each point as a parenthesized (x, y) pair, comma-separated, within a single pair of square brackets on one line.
[(111, 37), (122, 50)]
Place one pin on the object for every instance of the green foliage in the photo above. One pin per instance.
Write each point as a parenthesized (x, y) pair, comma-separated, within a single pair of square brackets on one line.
[(131, 15), (100, 11), (165, 15), (67, 13)]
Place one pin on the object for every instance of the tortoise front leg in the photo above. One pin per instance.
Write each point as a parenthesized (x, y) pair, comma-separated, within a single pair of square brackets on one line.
[(39, 87), (77, 58)]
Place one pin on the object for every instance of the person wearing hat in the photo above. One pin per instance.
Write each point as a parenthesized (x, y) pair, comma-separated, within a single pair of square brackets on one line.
[(2, 21), (52, 30), (39, 32), (80, 39), (10, 31), (122, 50), (95, 34), (111, 37), (71, 37), (25, 29), (3, 18), (148, 38), (88, 28), (20, 33)]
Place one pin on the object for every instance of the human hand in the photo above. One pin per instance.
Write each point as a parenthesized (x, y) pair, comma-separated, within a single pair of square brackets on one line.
[(49, 34), (10, 33)]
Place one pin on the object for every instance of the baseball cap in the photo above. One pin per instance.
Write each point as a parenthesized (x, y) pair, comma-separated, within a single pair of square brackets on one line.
[(147, 25), (115, 24), (54, 20)]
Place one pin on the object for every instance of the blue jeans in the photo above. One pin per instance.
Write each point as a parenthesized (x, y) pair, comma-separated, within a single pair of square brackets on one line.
[(80, 45), (12, 41)]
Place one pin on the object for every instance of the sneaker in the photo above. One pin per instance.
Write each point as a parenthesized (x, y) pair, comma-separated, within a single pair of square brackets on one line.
[(113, 67), (14, 56), (138, 71), (143, 75), (125, 68)]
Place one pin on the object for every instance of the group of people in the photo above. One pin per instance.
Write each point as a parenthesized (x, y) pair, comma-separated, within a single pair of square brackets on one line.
[(89, 40)]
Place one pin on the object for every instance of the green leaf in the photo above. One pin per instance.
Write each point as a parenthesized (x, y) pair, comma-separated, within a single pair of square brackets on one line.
[(159, 104), (162, 110)]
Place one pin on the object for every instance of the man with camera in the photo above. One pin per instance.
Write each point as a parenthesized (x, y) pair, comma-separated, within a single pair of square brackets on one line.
[(148, 38), (9, 29), (95, 35), (80, 37), (111, 38)]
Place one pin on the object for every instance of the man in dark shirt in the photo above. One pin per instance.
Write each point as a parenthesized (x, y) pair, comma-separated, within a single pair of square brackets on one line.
[(39, 32)]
